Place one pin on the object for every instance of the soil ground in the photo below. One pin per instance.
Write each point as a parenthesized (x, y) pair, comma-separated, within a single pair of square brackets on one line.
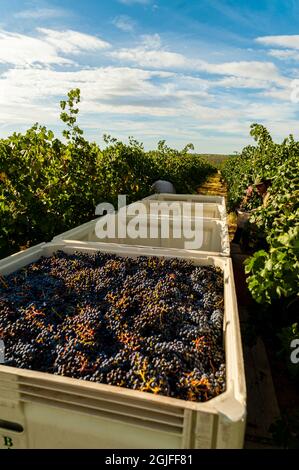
[(262, 405)]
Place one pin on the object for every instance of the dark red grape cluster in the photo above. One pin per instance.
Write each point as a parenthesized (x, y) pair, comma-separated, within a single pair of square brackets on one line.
[(147, 323)]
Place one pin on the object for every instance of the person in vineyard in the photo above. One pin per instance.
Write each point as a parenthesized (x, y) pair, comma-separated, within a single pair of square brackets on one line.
[(162, 186), (244, 228), (262, 187)]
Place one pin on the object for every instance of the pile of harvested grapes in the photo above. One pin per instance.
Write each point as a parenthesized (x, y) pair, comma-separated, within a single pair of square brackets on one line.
[(150, 324)]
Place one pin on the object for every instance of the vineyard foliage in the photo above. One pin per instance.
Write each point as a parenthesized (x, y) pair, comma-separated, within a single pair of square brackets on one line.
[(48, 186), (273, 273)]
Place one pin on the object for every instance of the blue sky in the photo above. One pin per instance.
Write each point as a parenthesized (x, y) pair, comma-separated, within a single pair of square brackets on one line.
[(181, 70)]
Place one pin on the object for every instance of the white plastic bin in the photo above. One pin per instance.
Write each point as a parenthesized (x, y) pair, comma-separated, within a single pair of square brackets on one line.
[(187, 198), (207, 210), (40, 410), (215, 237)]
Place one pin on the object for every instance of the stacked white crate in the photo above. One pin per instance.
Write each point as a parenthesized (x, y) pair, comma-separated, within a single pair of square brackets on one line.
[(213, 216)]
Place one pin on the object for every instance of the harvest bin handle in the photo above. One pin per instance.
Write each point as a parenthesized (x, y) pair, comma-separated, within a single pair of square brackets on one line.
[(10, 426)]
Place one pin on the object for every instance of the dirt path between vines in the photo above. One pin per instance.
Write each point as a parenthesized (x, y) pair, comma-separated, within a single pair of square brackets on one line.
[(216, 187), (262, 406)]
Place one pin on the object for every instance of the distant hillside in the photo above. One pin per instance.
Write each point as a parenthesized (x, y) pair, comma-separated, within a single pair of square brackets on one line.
[(216, 159)]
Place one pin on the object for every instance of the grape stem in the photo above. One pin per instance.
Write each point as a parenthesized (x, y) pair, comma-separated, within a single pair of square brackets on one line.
[(3, 281)]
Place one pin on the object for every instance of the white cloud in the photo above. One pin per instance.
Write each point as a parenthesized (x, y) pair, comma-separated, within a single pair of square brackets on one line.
[(124, 23), (27, 115), (21, 49), (150, 58), (72, 42), (246, 74), (40, 13), (110, 90), (281, 94), (245, 69), (284, 54), (287, 41), (242, 82), (127, 91), (281, 129), (105, 88), (270, 112)]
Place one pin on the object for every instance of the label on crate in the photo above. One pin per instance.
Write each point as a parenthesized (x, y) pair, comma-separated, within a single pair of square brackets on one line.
[(7, 442), (11, 440)]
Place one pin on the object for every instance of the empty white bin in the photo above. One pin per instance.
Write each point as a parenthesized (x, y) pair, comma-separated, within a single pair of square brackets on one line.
[(210, 235)]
